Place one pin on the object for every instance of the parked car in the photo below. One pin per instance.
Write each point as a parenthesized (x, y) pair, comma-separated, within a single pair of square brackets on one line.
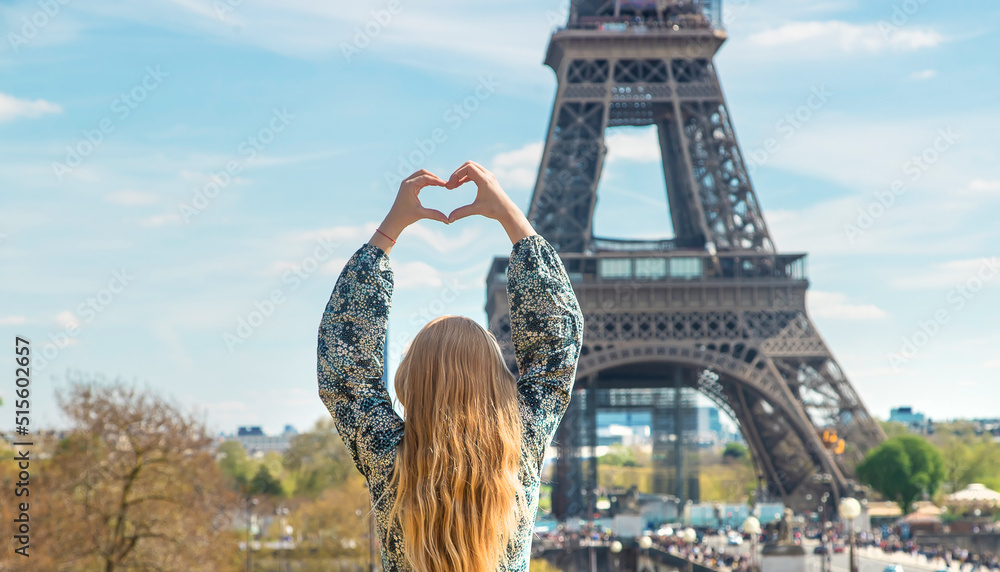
[(838, 548), (893, 568), (821, 549)]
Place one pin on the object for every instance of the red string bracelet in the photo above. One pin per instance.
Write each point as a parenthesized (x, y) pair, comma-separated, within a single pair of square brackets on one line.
[(385, 235)]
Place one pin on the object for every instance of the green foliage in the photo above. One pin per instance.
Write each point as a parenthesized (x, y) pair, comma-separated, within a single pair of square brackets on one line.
[(318, 459), (618, 456), (894, 429), (735, 451), (969, 458), (264, 483), (234, 463), (902, 469), (541, 565)]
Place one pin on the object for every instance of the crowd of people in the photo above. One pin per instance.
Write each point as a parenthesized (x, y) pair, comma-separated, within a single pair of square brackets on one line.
[(945, 558), (736, 560)]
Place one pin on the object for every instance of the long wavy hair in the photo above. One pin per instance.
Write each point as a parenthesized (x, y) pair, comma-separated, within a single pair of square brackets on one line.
[(459, 496)]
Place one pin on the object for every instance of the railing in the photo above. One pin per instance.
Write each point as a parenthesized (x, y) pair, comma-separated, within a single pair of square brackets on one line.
[(643, 15), (576, 556), (675, 265), (621, 245)]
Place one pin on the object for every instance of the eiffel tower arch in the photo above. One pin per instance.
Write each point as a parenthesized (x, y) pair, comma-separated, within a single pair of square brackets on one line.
[(716, 308)]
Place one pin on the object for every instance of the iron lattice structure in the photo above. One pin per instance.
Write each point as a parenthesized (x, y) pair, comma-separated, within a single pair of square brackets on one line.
[(716, 308)]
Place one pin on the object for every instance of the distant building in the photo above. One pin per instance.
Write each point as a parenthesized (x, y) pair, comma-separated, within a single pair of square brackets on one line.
[(633, 428), (709, 427), (255, 441), (907, 416)]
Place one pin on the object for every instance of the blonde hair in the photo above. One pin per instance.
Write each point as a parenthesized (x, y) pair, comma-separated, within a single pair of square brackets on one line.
[(459, 497)]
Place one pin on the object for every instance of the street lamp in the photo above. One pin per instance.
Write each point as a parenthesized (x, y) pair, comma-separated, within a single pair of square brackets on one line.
[(288, 544), (250, 501), (616, 549), (645, 543), (849, 510), (751, 526)]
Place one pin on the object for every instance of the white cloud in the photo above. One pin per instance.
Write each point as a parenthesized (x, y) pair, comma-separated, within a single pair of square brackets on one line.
[(985, 187), (350, 237), (342, 235), (162, 220), (127, 197), (306, 28), (13, 108), (639, 145), (519, 167), (992, 364), (971, 275), (280, 161), (439, 240), (835, 305), (416, 274), (332, 268), (228, 406), (13, 321), (826, 37), (924, 74), (67, 320)]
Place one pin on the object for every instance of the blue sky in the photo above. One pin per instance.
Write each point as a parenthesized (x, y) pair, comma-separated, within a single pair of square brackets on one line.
[(166, 168)]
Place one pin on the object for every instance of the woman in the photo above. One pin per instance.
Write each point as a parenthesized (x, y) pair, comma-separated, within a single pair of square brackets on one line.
[(455, 487)]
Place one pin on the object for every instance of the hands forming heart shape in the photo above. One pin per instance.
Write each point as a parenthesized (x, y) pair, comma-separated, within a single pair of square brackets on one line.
[(491, 202)]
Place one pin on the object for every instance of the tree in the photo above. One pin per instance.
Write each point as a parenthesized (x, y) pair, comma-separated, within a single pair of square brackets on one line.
[(318, 459), (264, 483), (234, 464), (735, 451), (969, 458), (134, 486), (618, 456), (541, 565), (894, 428), (903, 469), (335, 524)]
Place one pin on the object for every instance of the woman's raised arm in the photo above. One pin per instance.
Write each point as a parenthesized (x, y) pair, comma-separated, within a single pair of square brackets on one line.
[(352, 337), (546, 326), (545, 318)]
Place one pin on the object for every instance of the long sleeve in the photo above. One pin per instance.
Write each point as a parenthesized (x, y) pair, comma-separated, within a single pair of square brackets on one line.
[(547, 331), (349, 362)]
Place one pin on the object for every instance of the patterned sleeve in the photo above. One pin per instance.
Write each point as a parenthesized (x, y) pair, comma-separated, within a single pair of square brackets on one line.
[(547, 331), (349, 362)]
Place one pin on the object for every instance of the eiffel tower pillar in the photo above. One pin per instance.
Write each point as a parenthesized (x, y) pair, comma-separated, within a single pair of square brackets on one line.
[(716, 302)]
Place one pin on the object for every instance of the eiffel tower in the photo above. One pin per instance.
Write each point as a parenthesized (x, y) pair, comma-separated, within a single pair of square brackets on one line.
[(715, 309)]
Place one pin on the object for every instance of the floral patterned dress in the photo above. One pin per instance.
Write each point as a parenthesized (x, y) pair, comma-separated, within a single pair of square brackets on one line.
[(547, 331)]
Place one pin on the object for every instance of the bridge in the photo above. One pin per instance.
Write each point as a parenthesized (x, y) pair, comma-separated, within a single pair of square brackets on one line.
[(599, 556)]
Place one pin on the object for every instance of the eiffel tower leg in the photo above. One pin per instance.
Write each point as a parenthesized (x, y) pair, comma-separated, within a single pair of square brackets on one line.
[(569, 481), (571, 166), (801, 358)]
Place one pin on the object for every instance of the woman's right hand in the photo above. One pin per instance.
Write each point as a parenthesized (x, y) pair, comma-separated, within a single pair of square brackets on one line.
[(491, 201)]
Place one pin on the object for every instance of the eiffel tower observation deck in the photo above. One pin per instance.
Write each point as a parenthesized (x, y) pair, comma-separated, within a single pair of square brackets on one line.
[(716, 308)]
